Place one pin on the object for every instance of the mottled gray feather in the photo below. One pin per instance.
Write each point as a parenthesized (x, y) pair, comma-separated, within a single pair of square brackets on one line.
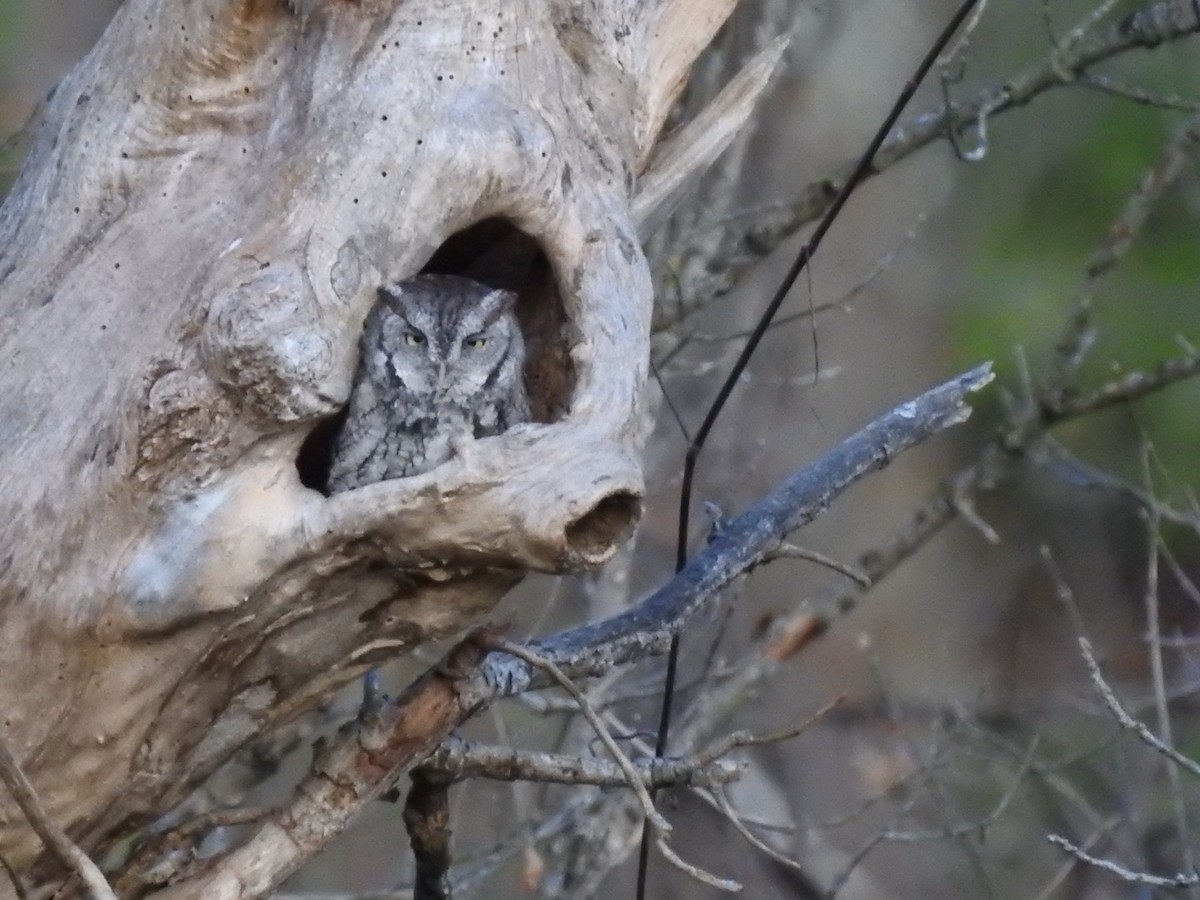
[(441, 362)]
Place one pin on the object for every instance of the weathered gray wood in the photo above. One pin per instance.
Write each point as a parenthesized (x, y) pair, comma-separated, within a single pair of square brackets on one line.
[(185, 263)]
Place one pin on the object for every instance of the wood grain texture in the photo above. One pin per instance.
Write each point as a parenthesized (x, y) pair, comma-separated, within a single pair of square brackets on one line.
[(186, 261)]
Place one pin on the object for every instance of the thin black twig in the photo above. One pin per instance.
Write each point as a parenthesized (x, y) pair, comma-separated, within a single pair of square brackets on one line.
[(661, 826), (696, 446), (427, 819), (562, 680), (645, 629), (1150, 26), (838, 304)]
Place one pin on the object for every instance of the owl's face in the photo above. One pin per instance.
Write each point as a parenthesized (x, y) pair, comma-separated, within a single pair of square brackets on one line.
[(441, 337)]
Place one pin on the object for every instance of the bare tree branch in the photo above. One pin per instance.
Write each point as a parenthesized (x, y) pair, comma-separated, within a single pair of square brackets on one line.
[(1129, 387), (14, 878), (646, 629), (593, 719), (427, 818), (345, 776), (364, 762), (1112, 87), (1128, 722), (458, 759), (161, 859), (60, 846), (1146, 28), (1077, 336), (661, 827), (1180, 880)]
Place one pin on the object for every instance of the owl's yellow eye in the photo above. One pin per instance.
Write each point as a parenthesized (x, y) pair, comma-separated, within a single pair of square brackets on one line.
[(414, 338), (475, 341)]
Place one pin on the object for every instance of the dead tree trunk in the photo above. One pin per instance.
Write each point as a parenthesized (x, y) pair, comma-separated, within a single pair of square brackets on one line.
[(212, 199)]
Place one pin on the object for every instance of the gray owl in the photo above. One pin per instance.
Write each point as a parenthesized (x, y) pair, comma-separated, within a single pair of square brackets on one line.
[(441, 361)]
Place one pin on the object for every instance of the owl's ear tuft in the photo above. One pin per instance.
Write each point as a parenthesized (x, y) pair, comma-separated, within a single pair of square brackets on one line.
[(495, 252), (394, 297), (504, 301), (391, 292), (496, 304)]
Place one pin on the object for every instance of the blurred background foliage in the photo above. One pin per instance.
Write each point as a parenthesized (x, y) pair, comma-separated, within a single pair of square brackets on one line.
[(1056, 178)]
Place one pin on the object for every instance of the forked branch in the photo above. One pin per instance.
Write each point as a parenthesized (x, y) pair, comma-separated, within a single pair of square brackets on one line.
[(369, 757)]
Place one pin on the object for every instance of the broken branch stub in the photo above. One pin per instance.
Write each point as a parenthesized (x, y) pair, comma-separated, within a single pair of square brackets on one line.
[(214, 195)]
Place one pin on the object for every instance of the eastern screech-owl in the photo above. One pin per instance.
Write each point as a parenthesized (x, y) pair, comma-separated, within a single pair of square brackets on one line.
[(441, 361)]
